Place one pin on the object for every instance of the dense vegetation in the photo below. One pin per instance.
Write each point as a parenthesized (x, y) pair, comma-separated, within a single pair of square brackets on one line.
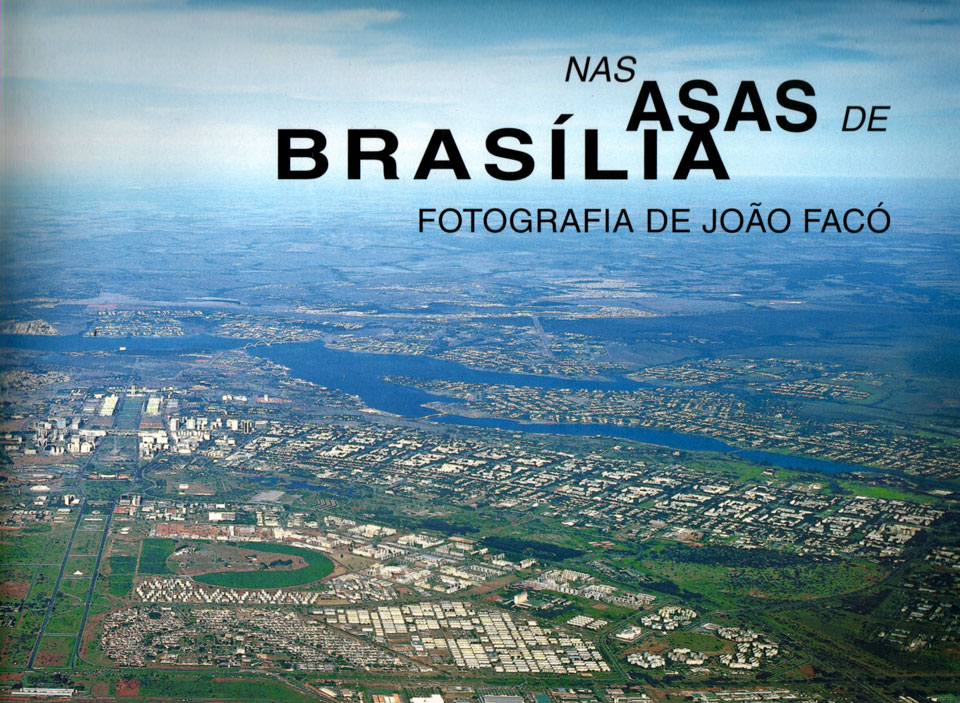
[(530, 548), (722, 555)]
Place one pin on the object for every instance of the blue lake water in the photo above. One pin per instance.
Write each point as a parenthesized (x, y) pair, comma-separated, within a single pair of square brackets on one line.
[(673, 440), (362, 374)]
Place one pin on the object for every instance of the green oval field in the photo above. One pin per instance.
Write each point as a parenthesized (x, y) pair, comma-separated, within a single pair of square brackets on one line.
[(317, 567)]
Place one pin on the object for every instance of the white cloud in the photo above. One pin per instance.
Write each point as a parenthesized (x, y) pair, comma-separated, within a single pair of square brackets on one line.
[(221, 81)]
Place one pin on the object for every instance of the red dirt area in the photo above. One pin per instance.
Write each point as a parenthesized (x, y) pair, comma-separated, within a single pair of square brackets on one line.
[(807, 671), (11, 676), (100, 690), (54, 651), (127, 688), (90, 632), (14, 590), (51, 658)]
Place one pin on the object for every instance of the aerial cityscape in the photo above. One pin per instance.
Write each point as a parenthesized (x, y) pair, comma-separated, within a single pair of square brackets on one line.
[(499, 352), (474, 469)]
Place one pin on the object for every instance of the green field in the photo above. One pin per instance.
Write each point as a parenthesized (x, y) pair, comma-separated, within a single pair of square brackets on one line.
[(85, 565), (54, 651), (317, 567), (697, 642), (18, 576), (67, 612), (87, 539), (77, 587), (734, 576), (575, 605), (120, 581), (43, 586), (17, 645), (153, 557), (35, 545), (122, 564), (120, 585), (168, 686), (804, 582)]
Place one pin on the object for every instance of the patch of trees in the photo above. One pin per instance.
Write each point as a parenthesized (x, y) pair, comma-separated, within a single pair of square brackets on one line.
[(722, 555), (444, 527), (531, 548)]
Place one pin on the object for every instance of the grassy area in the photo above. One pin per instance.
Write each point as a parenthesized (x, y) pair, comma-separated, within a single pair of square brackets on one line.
[(17, 645), (43, 586), (16, 582), (864, 489), (848, 640), (122, 564), (120, 585), (317, 567), (67, 613), (78, 587), (581, 606), (85, 565), (54, 651), (697, 642), (105, 490), (154, 555), (30, 546), (41, 528), (169, 686), (775, 576), (120, 581), (87, 539)]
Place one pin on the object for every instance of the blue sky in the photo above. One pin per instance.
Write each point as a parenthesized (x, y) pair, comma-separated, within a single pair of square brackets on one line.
[(170, 91)]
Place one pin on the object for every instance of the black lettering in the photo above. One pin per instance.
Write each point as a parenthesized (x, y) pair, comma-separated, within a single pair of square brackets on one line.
[(521, 157), (808, 111), (649, 90), (592, 171), (356, 154), (711, 111), (286, 152), (747, 91), (689, 162), (430, 162)]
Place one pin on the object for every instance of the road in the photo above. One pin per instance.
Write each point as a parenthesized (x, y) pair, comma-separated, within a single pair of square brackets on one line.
[(66, 555), (544, 339), (56, 586), (93, 584)]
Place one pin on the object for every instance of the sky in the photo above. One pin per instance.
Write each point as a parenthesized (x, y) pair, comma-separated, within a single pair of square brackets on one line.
[(176, 91)]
